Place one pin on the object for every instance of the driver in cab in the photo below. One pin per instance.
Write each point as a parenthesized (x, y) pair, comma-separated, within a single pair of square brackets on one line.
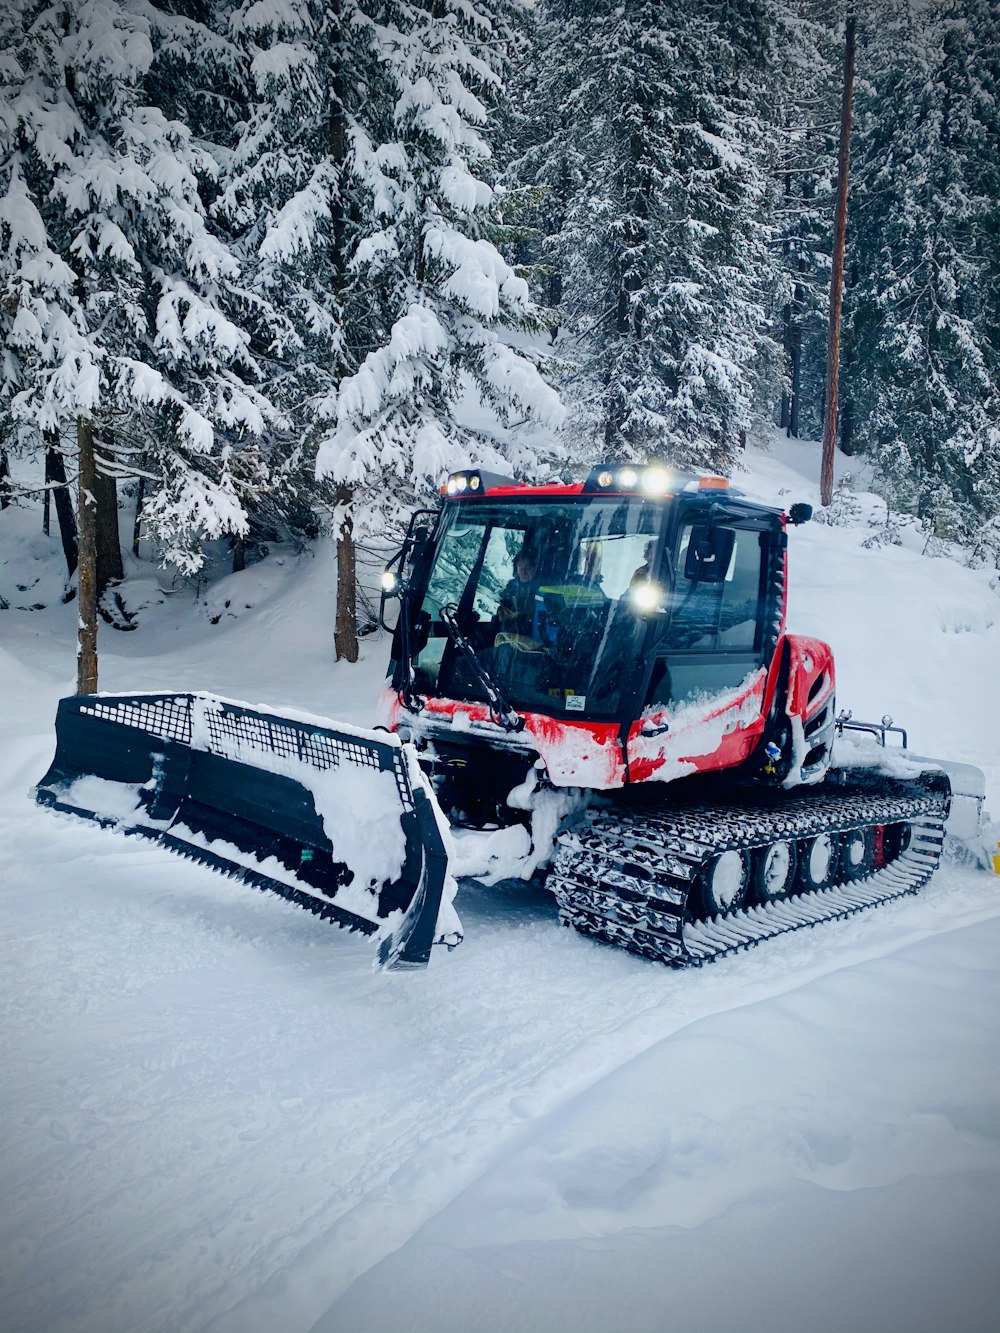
[(516, 610)]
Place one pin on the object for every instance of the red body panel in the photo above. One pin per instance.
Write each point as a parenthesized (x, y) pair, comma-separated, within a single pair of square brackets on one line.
[(810, 673), (664, 744), (575, 754), (700, 738)]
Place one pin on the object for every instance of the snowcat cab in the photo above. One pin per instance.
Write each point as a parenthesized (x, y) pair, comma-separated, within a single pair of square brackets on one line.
[(648, 642)]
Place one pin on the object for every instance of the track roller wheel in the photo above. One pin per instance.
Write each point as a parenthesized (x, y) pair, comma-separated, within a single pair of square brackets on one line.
[(818, 862), (857, 857), (774, 871), (725, 884)]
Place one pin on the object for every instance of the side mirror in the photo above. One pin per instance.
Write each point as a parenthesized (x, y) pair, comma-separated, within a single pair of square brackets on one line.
[(394, 576), (391, 583), (709, 554), (800, 513)]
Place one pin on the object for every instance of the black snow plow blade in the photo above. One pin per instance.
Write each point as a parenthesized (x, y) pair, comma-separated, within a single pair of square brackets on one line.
[(337, 820)]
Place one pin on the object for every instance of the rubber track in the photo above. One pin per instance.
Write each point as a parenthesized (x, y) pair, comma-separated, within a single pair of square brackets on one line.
[(626, 876)]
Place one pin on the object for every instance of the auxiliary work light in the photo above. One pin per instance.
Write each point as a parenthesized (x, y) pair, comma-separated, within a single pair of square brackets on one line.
[(653, 479), (647, 596)]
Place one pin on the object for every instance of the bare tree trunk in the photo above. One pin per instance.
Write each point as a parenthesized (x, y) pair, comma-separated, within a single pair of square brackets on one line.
[(345, 637), (55, 477), (239, 553), (795, 399), (785, 418), (4, 479), (86, 653), (137, 524), (837, 275), (109, 550)]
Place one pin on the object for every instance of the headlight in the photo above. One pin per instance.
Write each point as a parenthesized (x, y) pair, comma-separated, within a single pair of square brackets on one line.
[(627, 478), (389, 580)]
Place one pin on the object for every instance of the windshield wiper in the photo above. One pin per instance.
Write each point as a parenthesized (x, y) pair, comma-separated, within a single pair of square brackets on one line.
[(500, 710)]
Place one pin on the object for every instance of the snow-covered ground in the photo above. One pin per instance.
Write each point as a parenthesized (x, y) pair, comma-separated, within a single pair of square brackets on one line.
[(214, 1116)]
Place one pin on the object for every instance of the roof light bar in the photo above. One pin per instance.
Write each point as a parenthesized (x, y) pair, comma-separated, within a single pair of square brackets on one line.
[(473, 481), (651, 479)]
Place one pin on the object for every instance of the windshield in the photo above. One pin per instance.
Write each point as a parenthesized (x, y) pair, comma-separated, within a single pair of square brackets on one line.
[(540, 591)]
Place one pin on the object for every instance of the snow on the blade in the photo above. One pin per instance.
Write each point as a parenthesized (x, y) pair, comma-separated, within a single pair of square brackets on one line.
[(118, 801), (360, 809)]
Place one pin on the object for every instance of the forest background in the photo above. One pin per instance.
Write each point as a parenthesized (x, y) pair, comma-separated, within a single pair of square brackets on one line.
[(271, 266)]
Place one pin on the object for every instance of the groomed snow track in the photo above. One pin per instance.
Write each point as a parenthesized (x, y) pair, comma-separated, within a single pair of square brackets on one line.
[(636, 877)]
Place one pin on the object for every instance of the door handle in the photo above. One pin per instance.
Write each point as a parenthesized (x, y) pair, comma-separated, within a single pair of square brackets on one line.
[(654, 729)]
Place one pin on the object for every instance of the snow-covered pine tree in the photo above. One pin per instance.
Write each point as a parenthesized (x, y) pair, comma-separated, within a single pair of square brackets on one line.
[(286, 197), (806, 99), (924, 373), (350, 180), (121, 308), (292, 198), (544, 158), (663, 248), (429, 392)]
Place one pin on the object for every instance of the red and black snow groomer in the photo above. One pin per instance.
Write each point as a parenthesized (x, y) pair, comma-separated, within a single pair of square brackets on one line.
[(605, 663), (625, 637)]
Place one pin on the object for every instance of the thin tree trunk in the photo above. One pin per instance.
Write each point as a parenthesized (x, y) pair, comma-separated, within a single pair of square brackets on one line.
[(787, 311), (795, 400), (345, 637), (4, 479), (109, 551), (55, 476), (239, 554), (86, 653), (140, 496), (837, 275), (786, 319)]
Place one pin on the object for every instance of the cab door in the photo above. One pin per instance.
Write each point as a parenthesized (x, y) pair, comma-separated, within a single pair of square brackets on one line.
[(702, 706)]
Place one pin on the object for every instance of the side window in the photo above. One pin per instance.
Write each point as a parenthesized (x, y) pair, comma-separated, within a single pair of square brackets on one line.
[(498, 569), (739, 616), (458, 553), (717, 612)]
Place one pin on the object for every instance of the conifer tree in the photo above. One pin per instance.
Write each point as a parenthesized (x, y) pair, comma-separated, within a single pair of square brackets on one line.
[(925, 372), (121, 306), (663, 246), (806, 102), (442, 295)]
